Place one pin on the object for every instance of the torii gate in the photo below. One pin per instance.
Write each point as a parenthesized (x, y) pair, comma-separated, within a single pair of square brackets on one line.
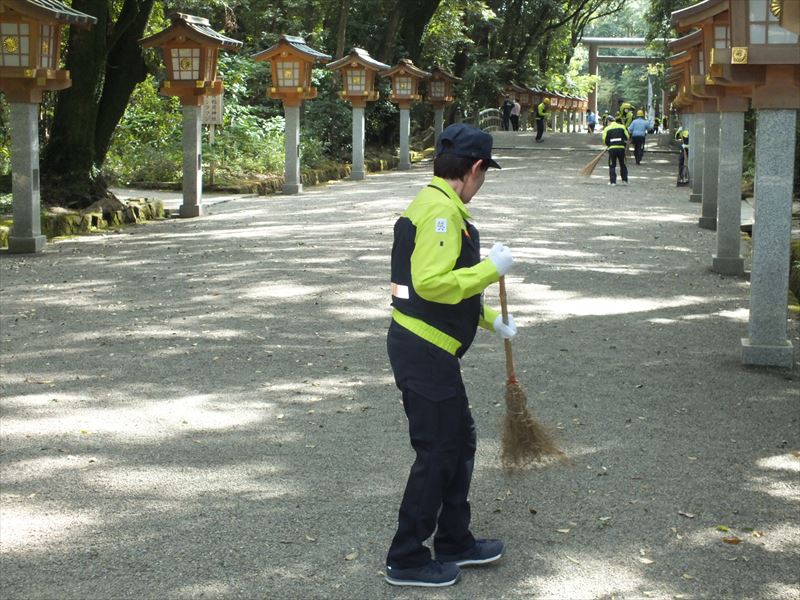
[(594, 60)]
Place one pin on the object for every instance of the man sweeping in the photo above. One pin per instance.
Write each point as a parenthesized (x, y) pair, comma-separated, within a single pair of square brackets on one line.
[(616, 137), (437, 282)]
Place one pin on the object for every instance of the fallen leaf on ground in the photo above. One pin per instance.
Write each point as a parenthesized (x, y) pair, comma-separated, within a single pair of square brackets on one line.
[(687, 577), (577, 562), (311, 539), (688, 515), (352, 556), (732, 540), (646, 561), (563, 530), (723, 528)]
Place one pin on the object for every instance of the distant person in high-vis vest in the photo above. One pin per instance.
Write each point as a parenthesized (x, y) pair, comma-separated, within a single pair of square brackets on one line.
[(438, 279), (542, 114), (616, 137)]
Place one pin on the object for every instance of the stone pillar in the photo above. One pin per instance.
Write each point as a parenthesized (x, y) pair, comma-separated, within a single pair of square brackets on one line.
[(291, 173), (438, 122), (192, 163), (26, 233), (358, 172), (708, 211), (728, 260), (696, 144), (555, 121), (769, 279), (405, 134)]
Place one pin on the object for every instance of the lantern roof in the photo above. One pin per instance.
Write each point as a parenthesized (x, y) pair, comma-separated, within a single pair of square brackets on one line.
[(195, 28), (688, 17), (440, 73), (688, 41), (360, 56), (297, 44), (48, 10), (405, 66)]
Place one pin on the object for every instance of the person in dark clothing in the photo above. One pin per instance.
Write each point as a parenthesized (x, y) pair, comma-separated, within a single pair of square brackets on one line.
[(437, 282), (505, 113), (616, 137), (542, 114)]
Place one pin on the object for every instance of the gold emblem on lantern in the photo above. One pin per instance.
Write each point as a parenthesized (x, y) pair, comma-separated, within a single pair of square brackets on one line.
[(186, 64), (45, 47), (775, 8), (10, 45), (739, 56)]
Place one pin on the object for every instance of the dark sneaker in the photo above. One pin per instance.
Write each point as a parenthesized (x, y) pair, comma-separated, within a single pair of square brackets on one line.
[(433, 574), (482, 553)]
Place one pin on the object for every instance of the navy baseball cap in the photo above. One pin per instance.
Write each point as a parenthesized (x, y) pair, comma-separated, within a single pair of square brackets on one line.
[(466, 141)]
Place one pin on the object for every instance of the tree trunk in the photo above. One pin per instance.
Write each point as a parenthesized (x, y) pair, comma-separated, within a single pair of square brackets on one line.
[(341, 28), (389, 37), (105, 64), (417, 15)]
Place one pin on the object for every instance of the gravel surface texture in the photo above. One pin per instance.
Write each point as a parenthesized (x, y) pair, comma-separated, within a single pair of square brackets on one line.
[(203, 408)]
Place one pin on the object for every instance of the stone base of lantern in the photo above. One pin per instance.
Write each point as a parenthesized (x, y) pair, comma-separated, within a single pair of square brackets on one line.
[(768, 356), (26, 245), (292, 188), (187, 211)]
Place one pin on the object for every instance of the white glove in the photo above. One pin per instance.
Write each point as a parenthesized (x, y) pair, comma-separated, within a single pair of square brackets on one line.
[(500, 255), (505, 331)]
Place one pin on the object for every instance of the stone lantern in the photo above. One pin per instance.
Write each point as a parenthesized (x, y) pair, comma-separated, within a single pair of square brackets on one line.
[(358, 71), (190, 47), (30, 42), (440, 93), (405, 79), (292, 62)]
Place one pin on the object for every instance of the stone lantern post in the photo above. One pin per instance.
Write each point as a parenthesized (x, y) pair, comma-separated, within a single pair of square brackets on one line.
[(190, 49), (440, 93), (358, 71), (405, 85), (291, 63), (30, 42)]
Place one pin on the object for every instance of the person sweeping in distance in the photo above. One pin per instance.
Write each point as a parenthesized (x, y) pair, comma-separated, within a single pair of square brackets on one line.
[(437, 282), (616, 137), (542, 114)]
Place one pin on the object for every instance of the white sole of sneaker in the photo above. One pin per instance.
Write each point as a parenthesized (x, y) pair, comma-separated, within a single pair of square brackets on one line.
[(481, 561), (407, 582)]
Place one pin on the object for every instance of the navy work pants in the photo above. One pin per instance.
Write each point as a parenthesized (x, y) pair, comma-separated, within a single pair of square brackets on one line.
[(442, 434), (617, 155), (539, 129), (638, 148)]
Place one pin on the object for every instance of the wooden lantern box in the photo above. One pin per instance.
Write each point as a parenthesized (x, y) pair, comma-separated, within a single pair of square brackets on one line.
[(405, 82), (358, 70), (30, 47), (292, 62), (190, 48)]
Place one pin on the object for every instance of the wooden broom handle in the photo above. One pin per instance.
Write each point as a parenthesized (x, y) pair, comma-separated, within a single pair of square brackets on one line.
[(507, 343)]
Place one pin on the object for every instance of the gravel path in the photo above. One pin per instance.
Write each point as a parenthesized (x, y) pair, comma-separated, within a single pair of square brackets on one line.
[(204, 409)]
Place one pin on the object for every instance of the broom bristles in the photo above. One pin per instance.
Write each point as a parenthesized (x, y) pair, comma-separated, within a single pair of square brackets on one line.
[(588, 168), (526, 442)]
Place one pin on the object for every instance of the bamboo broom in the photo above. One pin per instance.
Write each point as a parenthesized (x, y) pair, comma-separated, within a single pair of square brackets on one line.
[(525, 440), (587, 169)]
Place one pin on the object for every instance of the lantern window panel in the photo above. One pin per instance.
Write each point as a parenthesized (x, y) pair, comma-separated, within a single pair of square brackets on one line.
[(14, 45), (46, 49), (722, 36), (437, 89), (209, 70), (402, 86), (288, 72), (765, 27), (356, 82), (186, 64)]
